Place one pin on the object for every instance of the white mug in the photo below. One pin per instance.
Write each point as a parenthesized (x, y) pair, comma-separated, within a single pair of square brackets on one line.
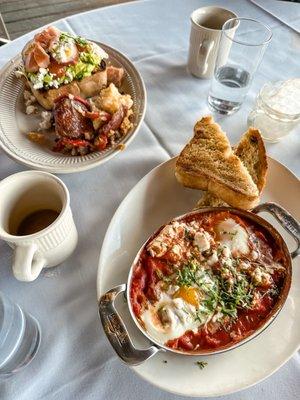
[(21, 195), (205, 36)]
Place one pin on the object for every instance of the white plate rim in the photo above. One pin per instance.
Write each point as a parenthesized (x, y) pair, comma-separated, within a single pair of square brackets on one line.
[(78, 168), (99, 293)]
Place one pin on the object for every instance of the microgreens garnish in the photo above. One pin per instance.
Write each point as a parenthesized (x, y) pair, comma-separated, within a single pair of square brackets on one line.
[(229, 295), (64, 36), (188, 235), (81, 41), (201, 364), (220, 250), (186, 275)]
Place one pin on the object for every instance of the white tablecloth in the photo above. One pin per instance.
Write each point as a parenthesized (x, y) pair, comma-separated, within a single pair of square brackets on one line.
[(75, 361)]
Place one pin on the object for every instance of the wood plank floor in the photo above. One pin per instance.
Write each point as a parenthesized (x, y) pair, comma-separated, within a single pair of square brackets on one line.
[(21, 16)]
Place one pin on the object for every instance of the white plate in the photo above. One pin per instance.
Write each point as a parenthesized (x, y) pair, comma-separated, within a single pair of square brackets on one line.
[(15, 124), (152, 202)]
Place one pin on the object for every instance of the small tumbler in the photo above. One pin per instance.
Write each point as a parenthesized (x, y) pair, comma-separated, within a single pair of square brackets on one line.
[(19, 337), (233, 74)]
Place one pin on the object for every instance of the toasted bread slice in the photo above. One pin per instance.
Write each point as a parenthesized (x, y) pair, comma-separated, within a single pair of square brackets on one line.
[(207, 162), (251, 151)]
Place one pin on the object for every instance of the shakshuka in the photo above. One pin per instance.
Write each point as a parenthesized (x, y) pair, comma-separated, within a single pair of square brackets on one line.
[(206, 281)]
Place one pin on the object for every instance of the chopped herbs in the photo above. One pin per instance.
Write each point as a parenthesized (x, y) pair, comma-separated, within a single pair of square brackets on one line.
[(65, 37), (201, 364), (232, 234), (186, 275), (273, 292), (188, 235), (81, 41), (225, 289), (208, 292), (220, 250)]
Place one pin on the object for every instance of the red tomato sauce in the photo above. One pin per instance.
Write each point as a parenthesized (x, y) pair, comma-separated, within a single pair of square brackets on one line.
[(246, 323), (149, 271)]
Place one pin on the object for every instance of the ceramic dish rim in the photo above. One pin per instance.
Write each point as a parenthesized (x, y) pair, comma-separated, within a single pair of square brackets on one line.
[(135, 369), (5, 71)]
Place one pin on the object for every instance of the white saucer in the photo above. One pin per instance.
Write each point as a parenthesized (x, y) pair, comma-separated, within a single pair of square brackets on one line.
[(152, 202)]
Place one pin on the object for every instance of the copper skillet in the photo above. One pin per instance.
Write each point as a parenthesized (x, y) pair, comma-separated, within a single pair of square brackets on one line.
[(116, 331)]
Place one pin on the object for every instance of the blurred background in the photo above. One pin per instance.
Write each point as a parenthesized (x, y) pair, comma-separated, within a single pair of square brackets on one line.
[(22, 16)]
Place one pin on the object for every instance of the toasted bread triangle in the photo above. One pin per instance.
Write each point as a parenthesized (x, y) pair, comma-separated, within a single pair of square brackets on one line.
[(251, 151), (207, 162)]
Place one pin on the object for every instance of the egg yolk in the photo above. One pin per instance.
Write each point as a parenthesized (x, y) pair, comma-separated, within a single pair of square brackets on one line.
[(188, 294)]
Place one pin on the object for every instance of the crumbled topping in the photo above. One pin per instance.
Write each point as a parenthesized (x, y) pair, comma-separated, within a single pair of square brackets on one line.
[(31, 109), (36, 137), (46, 120)]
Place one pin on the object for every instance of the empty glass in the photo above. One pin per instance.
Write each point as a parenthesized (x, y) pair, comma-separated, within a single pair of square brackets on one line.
[(244, 41), (19, 337)]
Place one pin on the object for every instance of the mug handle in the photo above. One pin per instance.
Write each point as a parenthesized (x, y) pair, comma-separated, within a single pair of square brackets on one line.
[(117, 333), (204, 51), (25, 267)]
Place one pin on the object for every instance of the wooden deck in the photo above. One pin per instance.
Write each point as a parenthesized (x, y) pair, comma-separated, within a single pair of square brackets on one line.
[(22, 16)]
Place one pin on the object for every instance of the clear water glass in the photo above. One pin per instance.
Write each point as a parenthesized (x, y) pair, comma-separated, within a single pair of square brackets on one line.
[(242, 46), (19, 337)]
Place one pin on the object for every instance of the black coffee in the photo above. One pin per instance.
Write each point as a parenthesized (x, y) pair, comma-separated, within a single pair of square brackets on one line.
[(36, 221), (211, 22)]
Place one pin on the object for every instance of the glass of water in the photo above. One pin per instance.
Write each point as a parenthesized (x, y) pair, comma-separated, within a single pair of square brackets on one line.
[(242, 45), (19, 337)]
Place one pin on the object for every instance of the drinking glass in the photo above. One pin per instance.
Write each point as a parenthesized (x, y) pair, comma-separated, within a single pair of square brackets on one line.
[(233, 74), (19, 337)]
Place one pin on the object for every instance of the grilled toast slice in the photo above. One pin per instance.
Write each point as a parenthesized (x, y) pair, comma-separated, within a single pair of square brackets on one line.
[(207, 162), (251, 151)]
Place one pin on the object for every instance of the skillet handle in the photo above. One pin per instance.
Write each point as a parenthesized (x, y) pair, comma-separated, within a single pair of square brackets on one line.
[(286, 220), (117, 333)]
